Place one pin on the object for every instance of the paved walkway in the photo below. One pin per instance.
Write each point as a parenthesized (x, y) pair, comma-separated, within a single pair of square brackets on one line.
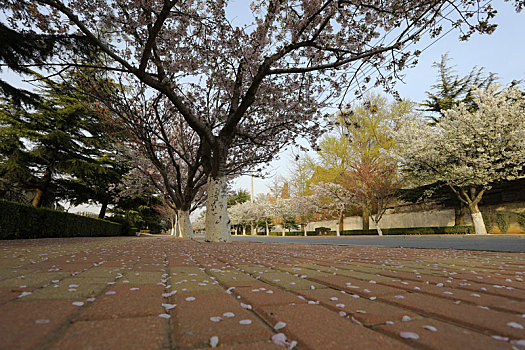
[(148, 293), (502, 243)]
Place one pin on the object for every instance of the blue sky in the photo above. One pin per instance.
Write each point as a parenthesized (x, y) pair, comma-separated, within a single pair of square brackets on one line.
[(503, 53)]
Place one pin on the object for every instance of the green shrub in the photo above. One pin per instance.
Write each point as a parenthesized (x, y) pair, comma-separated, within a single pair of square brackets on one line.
[(489, 217), (322, 231), (440, 230), (503, 221), (20, 221), (521, 219)]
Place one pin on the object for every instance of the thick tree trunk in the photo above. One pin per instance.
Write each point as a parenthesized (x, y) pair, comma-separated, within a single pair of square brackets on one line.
[(459, 214), (304, 228), (39, 195), (186, 230), (254, 232), (102, 212), (284, 229), (244, 230), (37, 199), (267, 228), (341, 227), (366, 218), (477, 220), (217, 221)]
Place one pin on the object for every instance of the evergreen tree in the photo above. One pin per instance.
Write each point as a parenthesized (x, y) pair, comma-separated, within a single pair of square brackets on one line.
[(451, 89), (57, 148)]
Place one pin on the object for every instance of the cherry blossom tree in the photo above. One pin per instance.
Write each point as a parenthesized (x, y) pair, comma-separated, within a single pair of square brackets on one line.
[(332, 198), (248, 90), (164, 151), (303, 207), (469, 149)]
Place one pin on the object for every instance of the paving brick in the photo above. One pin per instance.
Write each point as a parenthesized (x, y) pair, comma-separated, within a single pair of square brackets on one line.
[(490, 322), (303, 322), (365, 289), (129, 300), (68, 291), (477, 298), (193, 327), (263, 294), (441, 335), (126, 333), (288, 281), (25, 325), (366, 311)]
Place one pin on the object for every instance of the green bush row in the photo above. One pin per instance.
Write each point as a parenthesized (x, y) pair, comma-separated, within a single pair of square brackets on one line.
[(20, 221), (438, 230)]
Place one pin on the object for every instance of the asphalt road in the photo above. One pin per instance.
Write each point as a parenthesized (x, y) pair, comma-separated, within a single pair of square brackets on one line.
[(501, 243)]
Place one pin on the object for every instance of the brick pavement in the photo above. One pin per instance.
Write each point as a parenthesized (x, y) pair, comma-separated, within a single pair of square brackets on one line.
[(167, 293)]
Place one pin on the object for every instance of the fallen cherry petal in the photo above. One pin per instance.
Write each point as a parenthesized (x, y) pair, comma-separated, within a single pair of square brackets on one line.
[(497, 337), (228, 314), (515, 325), (90, 299), (190, 299), (214, 341), (409, 335), (430, 328), (246, 306), (280, 339), (134, 288), (78, 303), (405, 318), (245, 322), (168, 306), (216, 319), (111, 292), (24, 294), (334, 299), (166, 316), (279, 325), (42, 321)]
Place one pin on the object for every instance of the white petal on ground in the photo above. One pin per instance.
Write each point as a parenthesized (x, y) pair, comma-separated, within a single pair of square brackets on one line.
[(42, 321), (214, 341), (166, 316), (24, 294), (90, 299), (111, 292), (430, 328), (134, 288), (515, 325), (334, 299), (280, 339), (279, 325), (228, 314), (340, 305), (342, 313), (78, 303), (405, 318), (245, 322), (399, 297), (409, 335), (190, 299), (497, 337), (216, 319), (246, 306), (168, 306)]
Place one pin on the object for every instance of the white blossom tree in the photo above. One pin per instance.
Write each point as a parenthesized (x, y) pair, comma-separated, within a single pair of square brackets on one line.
[(247, 89), (470, 148), (303, 207), (333, 198)]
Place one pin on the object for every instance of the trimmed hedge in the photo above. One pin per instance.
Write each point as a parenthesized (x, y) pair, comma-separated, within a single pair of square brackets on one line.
[(438, 230), (20, 221)]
